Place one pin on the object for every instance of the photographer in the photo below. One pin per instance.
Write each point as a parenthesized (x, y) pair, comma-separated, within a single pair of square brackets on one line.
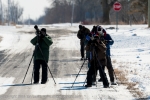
[(83, 31), (106, 38), (97, 59), (42, 43)]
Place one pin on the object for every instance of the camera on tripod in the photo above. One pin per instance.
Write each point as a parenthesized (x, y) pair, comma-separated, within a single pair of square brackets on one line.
[(92, 38), (38, 32)]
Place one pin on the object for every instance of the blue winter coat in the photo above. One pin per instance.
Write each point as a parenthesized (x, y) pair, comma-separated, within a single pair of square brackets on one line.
[(110, 41)]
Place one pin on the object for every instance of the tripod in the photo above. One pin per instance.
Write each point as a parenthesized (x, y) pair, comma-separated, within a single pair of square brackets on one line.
[(37, 47), (95, 63), (102, 73), (78, 73)]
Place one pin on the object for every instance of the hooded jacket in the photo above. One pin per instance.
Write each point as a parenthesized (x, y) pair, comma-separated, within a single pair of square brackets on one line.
[(82, 34), (44, 44), (110, 41)]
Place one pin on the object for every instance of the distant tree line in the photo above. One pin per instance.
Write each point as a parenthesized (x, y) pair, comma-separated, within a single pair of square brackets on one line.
[(10, 13), (95, 11)]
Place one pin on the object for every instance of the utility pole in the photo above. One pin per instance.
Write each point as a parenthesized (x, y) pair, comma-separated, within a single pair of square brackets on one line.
[(129, 14), (8, 12), (149, 13), (72, 12), (29, 21), (1, 12)]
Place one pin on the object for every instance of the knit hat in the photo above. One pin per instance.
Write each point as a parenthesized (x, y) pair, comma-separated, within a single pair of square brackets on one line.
[(101, 31), (43, 29), (80, 26)]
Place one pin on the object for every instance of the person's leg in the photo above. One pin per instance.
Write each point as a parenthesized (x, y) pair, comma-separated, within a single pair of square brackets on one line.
[(44, 71), (103, 77), (100, 80), (87, 55), (82, 50), (95, 68), (36, 71), (89, 76), (110, 69)]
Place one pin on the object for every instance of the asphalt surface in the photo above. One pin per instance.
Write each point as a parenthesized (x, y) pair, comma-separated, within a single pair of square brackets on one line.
[(64, 66)]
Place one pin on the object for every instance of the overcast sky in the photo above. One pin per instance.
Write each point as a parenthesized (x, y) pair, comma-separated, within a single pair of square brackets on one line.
[(32, 8)]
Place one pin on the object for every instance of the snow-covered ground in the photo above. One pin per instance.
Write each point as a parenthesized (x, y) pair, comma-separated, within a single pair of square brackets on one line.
[(130, 52), (132, 49)]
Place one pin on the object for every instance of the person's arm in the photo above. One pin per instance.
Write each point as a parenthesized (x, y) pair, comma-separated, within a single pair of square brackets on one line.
[(110, 41), (34, 40), (48, 40), (87, 31), (79, 34)]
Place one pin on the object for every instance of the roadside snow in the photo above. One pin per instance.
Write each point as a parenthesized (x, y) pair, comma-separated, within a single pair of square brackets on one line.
[(5, 80)]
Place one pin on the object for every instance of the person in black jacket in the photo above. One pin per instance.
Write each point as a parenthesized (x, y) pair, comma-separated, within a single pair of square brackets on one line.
[(83, 31)]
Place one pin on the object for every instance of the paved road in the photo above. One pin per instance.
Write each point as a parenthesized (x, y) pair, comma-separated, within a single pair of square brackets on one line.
[(64, 64)]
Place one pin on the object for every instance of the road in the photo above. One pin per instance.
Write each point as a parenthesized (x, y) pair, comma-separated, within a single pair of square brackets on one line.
[(64, 64)]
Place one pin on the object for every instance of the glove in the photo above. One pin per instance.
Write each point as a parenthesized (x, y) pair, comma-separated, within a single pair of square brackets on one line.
[(92, 38), (107, 41), (88, 38), (42, 36)]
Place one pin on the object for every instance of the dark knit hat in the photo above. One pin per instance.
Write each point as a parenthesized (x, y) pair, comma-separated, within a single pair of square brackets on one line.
[(43, 29), (80, 26)]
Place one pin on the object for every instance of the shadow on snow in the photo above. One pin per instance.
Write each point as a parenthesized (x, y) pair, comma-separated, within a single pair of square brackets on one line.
[(16, 85)]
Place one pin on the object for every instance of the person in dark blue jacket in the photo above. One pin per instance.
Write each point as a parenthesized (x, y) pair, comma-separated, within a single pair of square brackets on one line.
[(108, 41)]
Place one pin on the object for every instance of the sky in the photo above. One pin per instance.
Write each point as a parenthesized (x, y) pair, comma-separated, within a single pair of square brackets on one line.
[(32, 8)]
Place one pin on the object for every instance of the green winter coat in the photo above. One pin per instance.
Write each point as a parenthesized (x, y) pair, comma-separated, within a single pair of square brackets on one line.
[(44, 44)]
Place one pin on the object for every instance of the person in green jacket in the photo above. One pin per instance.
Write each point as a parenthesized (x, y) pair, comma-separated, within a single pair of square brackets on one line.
[(41, 55)]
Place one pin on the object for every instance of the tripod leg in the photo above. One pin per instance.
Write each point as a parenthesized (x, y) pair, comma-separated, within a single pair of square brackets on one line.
[(115, 76), (51, 74), (28, 68), (78, 73), (46, 63)]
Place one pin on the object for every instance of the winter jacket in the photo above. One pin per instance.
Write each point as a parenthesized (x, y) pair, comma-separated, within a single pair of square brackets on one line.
[(44, 44), (100, 50), (110, 41), (82, 34)]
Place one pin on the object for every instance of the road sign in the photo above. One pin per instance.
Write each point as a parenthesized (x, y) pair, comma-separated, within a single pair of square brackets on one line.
[(117, 6)]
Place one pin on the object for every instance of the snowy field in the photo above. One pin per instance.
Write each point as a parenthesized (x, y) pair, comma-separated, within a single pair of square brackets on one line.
[(130, 52)]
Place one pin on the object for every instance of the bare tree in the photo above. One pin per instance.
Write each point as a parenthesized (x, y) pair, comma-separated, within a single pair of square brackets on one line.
[(15, 12), (99, 11), (59, 13), (139, 6), (107, 5)]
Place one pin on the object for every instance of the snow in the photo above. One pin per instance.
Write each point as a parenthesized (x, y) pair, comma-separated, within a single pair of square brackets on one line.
[(3, 81), (131, 48), (131, 51)]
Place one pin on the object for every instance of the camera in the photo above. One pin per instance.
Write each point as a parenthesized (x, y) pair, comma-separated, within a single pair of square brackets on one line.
[(38, 32)]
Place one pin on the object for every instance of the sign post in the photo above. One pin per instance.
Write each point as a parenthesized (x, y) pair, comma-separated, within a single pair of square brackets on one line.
[(117, 8)]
